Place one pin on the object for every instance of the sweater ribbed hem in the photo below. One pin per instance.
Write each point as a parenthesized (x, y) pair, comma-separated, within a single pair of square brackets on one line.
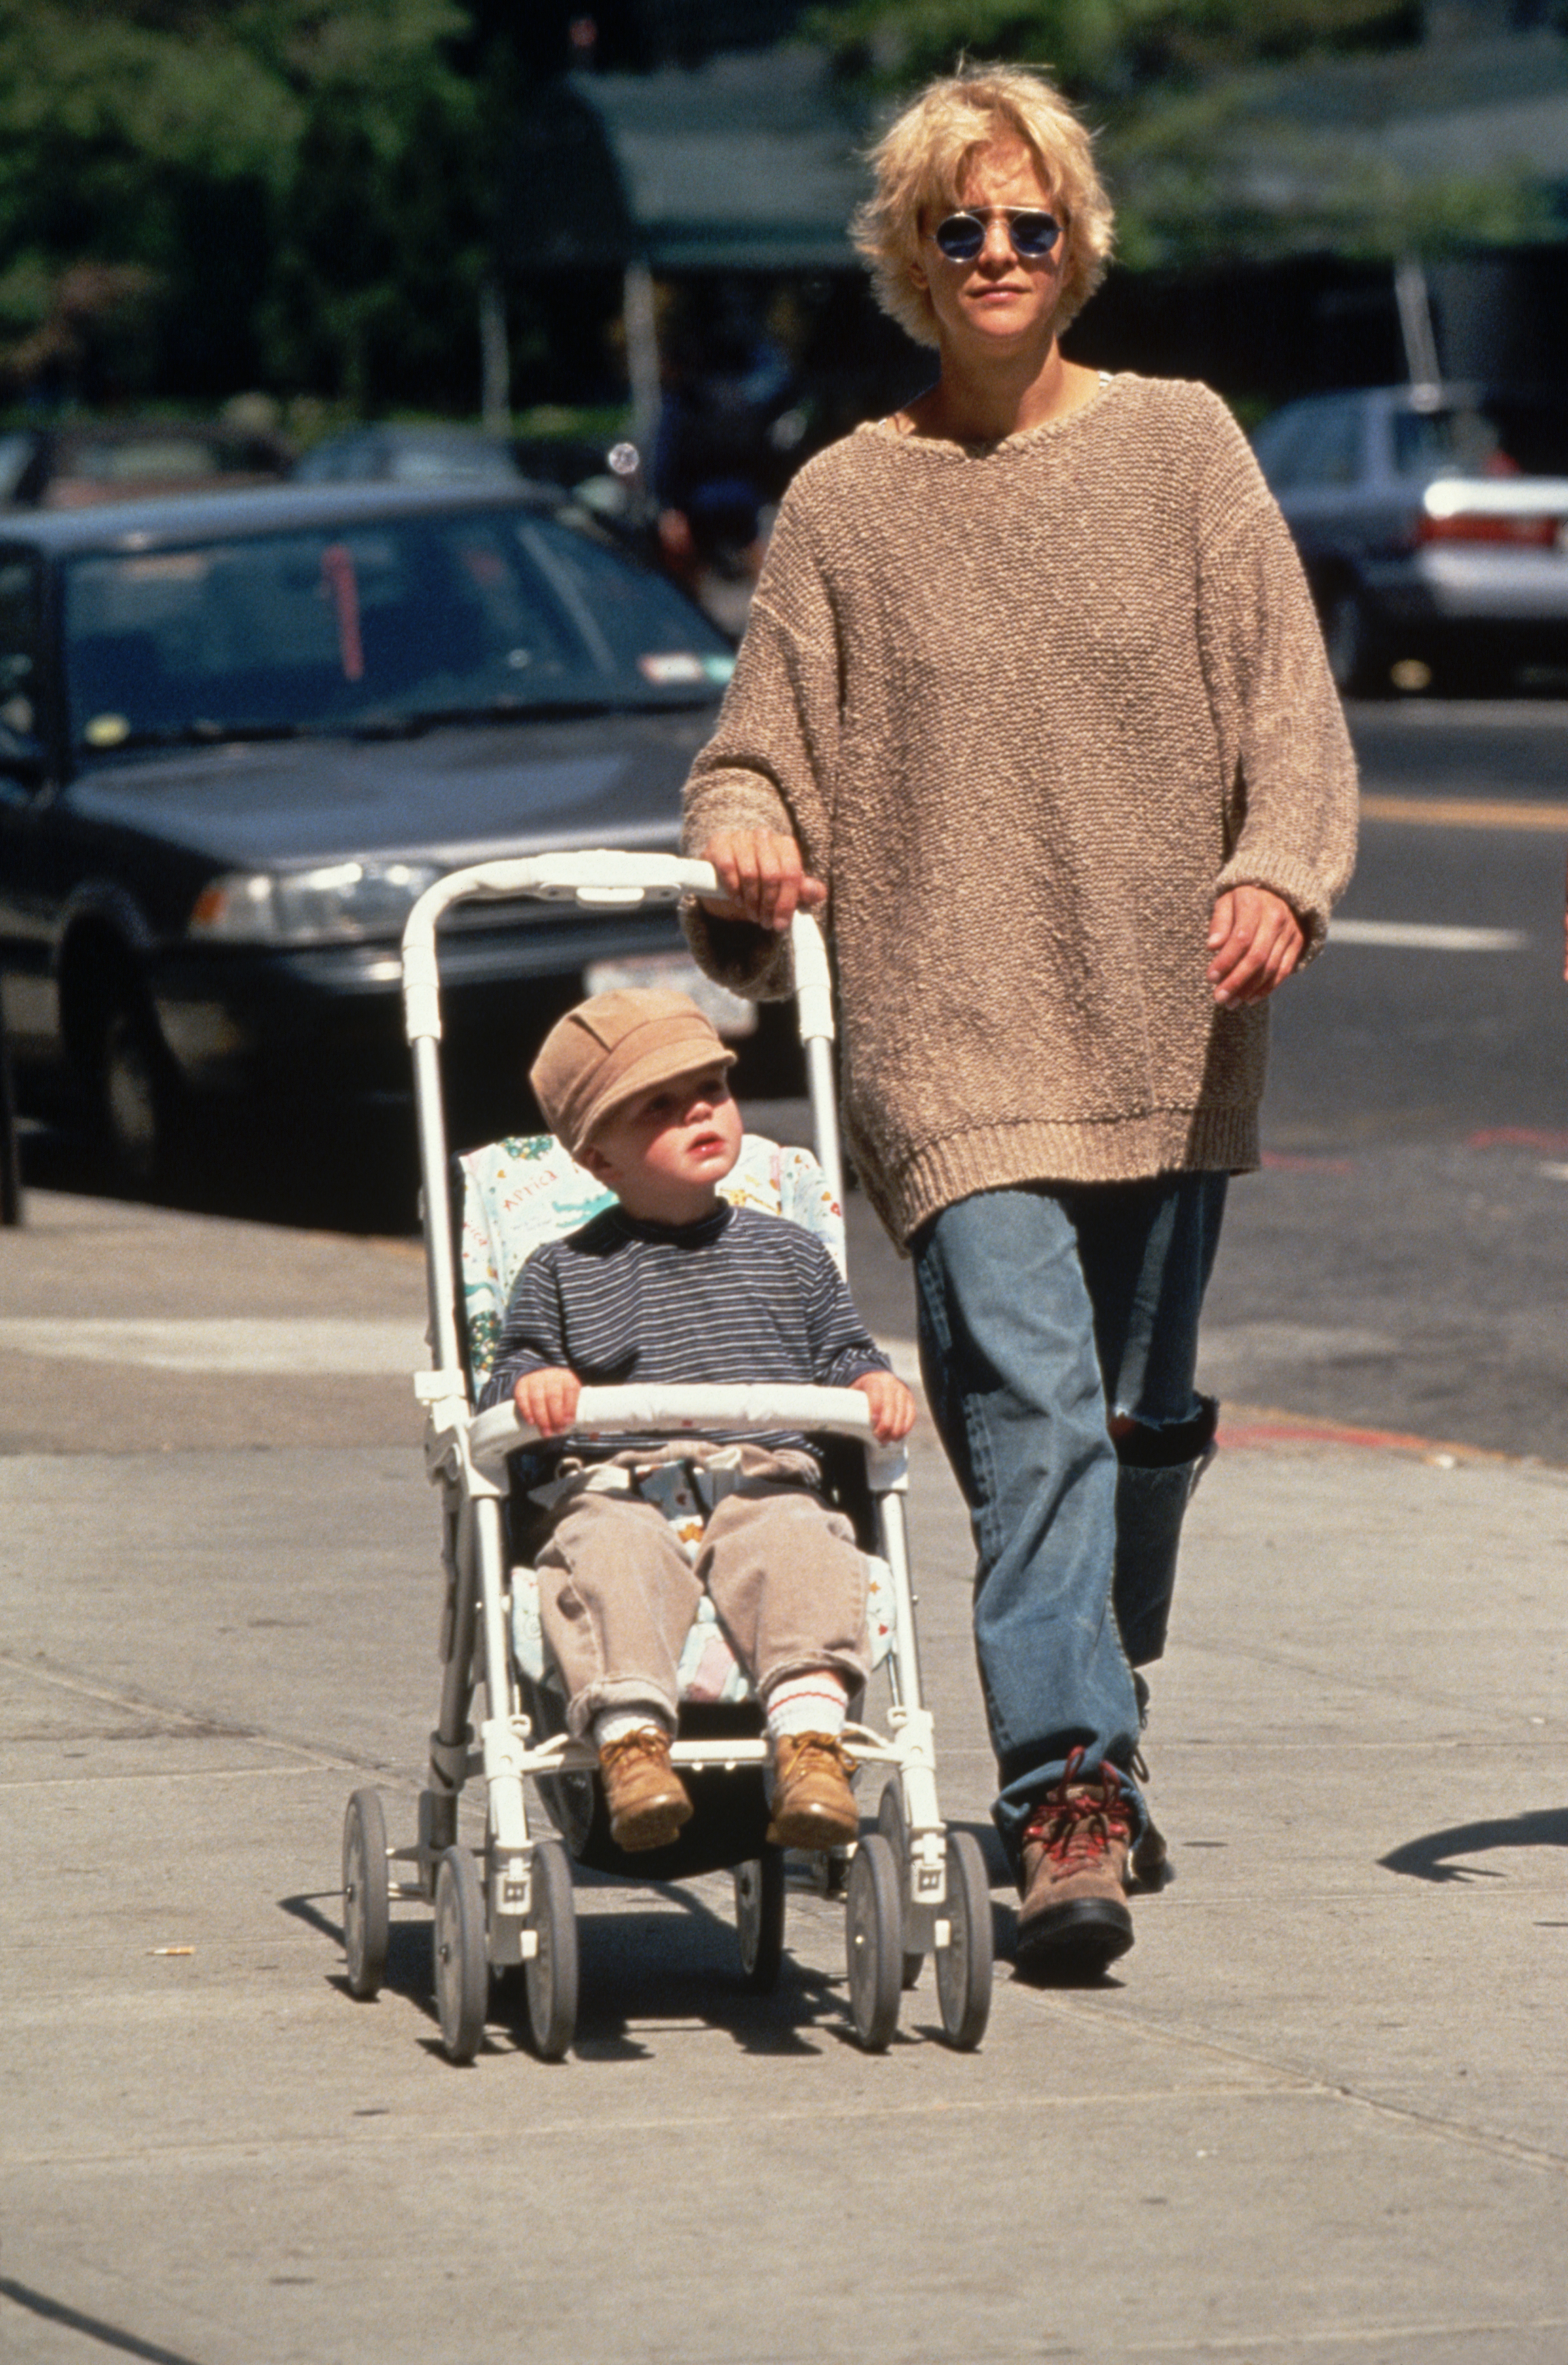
[(1119, 1150)]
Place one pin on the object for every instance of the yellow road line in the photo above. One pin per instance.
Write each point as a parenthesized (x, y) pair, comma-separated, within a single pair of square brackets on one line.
[(1466, 813)]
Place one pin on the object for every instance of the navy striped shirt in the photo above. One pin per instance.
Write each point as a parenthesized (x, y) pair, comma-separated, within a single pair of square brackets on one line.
[(740, 1296)]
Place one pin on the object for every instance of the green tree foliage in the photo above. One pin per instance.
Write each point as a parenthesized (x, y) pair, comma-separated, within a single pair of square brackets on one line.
[(1104, 51), (1204, 137), (270, 190)]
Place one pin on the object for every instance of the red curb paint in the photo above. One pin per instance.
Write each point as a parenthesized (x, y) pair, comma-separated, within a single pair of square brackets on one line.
[(1247, 1427), (1515, 1136)]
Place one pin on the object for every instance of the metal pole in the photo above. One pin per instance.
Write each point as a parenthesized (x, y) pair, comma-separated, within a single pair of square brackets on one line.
[(1414, 298), (641, 357), (495, 357)]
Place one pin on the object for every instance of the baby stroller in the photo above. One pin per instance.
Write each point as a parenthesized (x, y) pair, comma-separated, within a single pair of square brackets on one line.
[(914, 1888)]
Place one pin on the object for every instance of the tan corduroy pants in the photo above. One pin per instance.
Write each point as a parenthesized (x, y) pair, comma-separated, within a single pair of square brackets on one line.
[(617, 1592)]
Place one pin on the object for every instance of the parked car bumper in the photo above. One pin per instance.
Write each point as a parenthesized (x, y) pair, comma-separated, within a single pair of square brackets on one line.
[(1521, 587)]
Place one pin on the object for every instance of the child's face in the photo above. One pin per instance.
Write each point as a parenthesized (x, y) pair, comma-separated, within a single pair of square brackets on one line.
[(665, 1152)]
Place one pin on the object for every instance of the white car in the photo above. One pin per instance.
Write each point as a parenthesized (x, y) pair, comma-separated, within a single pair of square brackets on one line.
[(1433, 525)]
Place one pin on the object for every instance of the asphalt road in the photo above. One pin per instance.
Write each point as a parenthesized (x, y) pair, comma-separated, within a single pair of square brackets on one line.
[(1396, 1265), (1399, 1262)]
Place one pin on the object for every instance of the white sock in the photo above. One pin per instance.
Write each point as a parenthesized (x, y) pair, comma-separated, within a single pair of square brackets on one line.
[(615, 1723), (817, 1702)]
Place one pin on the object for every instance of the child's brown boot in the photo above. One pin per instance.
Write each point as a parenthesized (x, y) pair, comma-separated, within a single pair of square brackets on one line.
[(813, 1806), (645, 1796)]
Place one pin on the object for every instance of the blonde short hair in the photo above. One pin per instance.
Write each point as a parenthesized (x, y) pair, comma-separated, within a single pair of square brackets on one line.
[(921, 162)]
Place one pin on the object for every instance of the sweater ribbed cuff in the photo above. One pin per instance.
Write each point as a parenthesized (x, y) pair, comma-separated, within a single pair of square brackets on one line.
[(1120, 1150)]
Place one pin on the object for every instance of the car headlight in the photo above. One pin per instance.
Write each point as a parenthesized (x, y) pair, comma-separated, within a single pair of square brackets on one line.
[(340, 902)]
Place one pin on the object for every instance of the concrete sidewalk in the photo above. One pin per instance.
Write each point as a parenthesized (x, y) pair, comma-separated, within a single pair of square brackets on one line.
[(1318, 2114)]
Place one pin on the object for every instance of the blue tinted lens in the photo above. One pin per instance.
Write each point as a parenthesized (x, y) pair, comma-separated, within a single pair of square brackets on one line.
[(1034, 234), (960, 237)]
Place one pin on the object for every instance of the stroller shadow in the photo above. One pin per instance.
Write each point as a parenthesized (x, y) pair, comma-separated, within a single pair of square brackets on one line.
[(639, 1971), (1429, 1858)]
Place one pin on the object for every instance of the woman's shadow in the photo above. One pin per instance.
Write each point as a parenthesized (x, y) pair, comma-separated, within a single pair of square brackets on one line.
[(1429, 1858)]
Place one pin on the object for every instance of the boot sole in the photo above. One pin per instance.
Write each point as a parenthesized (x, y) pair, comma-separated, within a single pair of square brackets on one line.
[(1080, 1938), (811, 1832), (651, 1827)]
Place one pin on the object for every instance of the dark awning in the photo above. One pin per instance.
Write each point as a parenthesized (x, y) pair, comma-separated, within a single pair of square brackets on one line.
[(747, 165)]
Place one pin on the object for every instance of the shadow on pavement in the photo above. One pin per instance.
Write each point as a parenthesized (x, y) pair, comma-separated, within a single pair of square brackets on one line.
[(1427, 1858), (54, 2311)]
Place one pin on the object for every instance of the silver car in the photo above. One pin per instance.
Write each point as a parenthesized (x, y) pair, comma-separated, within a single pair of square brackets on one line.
[(1433, 525)]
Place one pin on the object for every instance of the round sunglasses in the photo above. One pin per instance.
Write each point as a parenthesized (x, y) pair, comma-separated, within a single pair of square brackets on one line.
[(1033, 234)]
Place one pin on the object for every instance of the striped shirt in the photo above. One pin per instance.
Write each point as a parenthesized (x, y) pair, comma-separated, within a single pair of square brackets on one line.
[(740, 1296)]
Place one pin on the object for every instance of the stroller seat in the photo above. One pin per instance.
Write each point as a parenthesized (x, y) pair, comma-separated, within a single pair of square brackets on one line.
[(525, 1189)]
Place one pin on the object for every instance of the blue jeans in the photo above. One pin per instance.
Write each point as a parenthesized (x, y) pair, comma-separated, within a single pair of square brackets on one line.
[(1043, 1310)]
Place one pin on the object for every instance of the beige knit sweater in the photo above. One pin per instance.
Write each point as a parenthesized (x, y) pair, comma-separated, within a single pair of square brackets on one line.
[(1027, 708)]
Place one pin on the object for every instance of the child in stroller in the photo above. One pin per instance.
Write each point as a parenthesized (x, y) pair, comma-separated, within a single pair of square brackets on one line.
[(674, 1284)]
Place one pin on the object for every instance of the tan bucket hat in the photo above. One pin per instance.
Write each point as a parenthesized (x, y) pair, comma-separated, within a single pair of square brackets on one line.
[(607, 1051)]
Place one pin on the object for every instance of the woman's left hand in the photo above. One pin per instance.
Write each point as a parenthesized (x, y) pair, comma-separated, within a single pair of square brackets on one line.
[(1256, 941)]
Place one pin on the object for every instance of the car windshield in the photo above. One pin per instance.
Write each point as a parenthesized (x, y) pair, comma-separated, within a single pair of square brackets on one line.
[(1500, 436), (383, 626)]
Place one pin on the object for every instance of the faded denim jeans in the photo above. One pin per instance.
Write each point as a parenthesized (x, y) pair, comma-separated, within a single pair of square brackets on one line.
[(1042, 1311)]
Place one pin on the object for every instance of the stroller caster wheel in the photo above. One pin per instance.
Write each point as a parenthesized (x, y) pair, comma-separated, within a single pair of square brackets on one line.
[(366, 1913), (873, 1927), (964, 1964), (891, 1824), (759, 1919), (550, 1974), (462, 1968)]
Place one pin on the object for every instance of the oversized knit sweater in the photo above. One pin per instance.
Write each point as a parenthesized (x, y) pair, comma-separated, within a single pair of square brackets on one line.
[(1028, 708)]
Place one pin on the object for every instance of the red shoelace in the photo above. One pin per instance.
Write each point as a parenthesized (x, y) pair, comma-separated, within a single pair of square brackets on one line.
[(1077, 1821)]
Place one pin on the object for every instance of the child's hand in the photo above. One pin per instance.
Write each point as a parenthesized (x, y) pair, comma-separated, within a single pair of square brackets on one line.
[(548, 1399), (892, 1407)]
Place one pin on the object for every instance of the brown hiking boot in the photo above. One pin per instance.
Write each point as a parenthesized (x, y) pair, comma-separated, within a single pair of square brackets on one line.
[(645, 1796), (813, 1806), (1074, 1918)]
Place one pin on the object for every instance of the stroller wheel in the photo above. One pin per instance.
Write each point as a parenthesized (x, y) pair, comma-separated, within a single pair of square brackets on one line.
[(759, 1918), (366, 1914), (462, 1970), (550, 1974), (873, 1925), (891, 1824), (964, 1964)]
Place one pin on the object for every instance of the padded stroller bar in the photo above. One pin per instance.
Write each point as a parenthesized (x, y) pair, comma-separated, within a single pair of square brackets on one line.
[(673, 1411), (601, 878)]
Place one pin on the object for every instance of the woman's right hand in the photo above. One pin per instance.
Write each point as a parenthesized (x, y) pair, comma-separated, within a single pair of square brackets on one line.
[(763, 878)]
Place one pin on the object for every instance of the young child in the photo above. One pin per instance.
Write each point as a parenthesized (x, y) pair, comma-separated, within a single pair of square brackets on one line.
[(675, 1284)]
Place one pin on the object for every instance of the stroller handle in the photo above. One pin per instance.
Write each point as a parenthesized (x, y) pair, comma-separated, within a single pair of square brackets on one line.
[(676, 1411), (601, 880)]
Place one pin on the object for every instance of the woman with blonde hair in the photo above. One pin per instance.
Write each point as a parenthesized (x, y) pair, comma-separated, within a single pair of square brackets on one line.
[(1032, 704)]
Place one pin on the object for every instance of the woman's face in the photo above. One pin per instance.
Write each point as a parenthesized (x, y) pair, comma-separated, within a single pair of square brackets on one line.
[(1000, 302)]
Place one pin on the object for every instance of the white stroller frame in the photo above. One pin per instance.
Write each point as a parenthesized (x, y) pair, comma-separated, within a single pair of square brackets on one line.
[(914, 1887)]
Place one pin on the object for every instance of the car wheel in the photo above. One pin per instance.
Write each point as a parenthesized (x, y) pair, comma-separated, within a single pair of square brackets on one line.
[(135, 1093), (1357, 658)]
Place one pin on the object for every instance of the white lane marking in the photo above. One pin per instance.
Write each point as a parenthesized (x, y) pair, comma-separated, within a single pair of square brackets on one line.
[(245, 1344), (1417, 936), (1231, 1348)]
